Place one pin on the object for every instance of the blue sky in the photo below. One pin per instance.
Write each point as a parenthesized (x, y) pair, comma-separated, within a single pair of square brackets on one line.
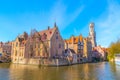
[(72, 17)]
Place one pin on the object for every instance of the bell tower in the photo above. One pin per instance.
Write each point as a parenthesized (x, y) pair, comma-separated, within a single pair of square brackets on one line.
[(92, 34)]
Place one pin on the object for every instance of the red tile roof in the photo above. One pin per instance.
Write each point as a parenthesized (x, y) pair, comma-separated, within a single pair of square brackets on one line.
[(74, 39), (48, 33)]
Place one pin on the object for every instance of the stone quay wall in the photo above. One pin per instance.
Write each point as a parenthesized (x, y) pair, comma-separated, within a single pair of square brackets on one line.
[(44, 62)]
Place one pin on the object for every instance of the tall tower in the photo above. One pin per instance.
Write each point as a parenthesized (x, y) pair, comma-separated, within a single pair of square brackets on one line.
[(92, 34)]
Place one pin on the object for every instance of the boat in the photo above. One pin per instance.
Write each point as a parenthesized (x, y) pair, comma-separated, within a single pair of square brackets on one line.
[(117, 59)]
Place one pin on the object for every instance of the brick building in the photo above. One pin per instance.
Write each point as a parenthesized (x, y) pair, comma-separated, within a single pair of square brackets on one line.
[(43, 44)]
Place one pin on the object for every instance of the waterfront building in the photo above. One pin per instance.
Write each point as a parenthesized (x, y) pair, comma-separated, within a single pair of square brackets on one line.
[(5, 51), (76, 44), (5, 47), (18, 48), (47, 43), (83, 45), (71, 55), (87, 49), (39, 44), (100, 52), (1, 47)]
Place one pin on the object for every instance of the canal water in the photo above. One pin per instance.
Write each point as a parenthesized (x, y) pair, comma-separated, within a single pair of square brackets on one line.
[(90, 71)]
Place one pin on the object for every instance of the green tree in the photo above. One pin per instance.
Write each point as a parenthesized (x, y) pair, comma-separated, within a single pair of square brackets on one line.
[(114, 48)]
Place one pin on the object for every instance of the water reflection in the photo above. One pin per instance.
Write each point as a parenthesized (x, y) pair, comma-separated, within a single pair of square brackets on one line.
[(27, 72), (92, 71)]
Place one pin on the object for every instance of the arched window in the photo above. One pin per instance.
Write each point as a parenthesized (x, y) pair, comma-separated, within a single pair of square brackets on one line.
[(16, 53), (38, 52), (59, 45), (56, 37), (16, 44)]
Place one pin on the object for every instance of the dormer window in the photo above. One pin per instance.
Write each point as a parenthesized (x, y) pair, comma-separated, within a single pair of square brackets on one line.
[(44, 36)]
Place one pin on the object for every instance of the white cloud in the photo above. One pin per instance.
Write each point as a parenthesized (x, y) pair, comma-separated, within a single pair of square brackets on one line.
[(108, 25)]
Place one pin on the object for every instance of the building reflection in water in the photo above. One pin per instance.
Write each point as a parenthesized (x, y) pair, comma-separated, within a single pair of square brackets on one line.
[(28, 72), (80, 72), (23, 72), (92, 71)]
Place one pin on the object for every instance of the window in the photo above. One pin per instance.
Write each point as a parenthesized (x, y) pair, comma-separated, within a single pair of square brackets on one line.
[(56, 37), (16, 44), (31, 54), (13, 44), (15, 53), (35, 45), (22, 54), (38, 45), (59, 45), (39, 53)]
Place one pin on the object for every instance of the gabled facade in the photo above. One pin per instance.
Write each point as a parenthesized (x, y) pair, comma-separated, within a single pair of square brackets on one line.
[(100, 52), (47, 43), (75, 43), (83, 45), (87, 49), (5, 47), (18, 48), (44, 44), (5, 51), (71, 55)]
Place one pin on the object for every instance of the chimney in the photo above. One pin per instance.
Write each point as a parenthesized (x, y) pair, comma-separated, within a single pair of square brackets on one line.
[(48, 27), (55, 24)]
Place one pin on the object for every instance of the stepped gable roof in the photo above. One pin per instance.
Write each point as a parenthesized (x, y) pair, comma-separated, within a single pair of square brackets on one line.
[(67, 41), (22, 40), (47, 34), (74, 39)]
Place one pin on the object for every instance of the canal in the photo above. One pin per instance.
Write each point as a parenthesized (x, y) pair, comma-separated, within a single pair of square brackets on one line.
[(90, 71)]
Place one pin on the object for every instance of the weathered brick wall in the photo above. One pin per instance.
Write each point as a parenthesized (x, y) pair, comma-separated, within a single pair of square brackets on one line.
[(46, 62)]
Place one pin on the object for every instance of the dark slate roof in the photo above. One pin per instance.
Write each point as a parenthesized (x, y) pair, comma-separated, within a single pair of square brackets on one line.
[(70, 50)]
